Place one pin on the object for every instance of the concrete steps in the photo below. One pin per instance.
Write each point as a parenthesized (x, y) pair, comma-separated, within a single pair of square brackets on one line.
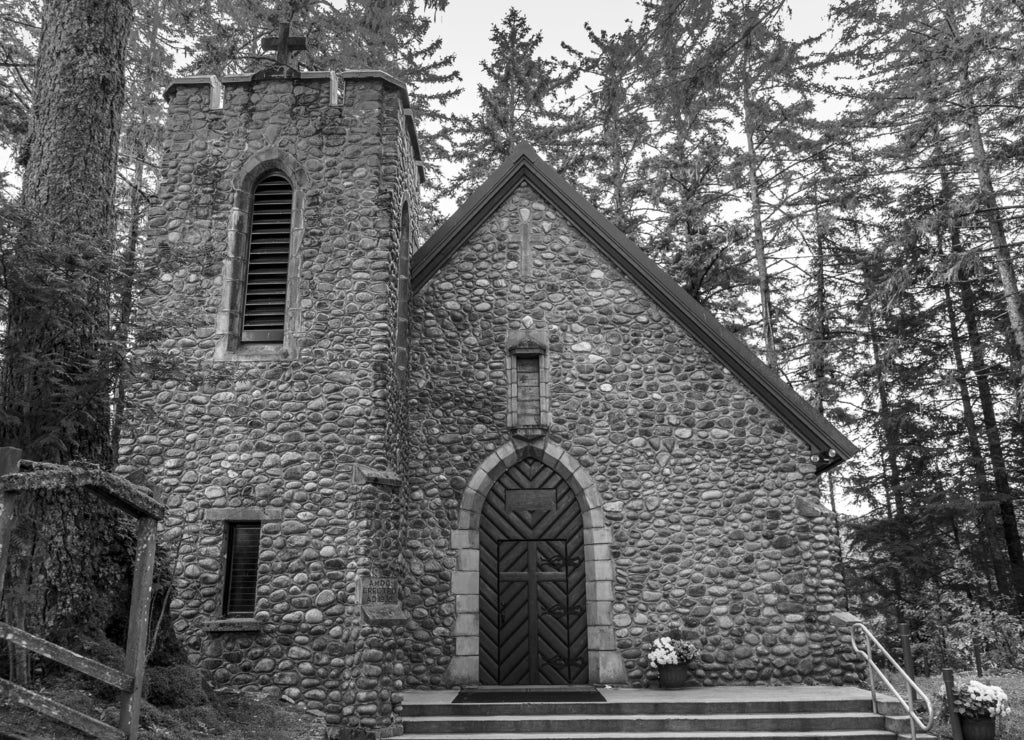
[(815, 735), (757, 713)]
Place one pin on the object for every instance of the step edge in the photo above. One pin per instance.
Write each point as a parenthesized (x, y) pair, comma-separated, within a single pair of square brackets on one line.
[(605, 717), (701, 735), (619, 707)]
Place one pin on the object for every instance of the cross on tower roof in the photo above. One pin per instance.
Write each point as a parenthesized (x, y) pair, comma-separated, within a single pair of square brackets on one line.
[(284, 45)]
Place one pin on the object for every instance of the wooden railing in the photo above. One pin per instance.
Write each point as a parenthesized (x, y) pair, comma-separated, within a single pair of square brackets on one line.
[(128, 682)]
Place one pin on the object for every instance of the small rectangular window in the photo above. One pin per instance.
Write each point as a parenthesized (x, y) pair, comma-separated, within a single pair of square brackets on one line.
[(528, 413), (240, 571), (528, 387)]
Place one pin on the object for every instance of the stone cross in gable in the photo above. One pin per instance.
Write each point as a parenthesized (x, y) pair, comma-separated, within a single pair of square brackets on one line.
[(284, 44)]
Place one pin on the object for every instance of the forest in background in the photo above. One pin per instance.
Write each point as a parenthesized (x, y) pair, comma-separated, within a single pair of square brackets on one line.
[(870, 254)]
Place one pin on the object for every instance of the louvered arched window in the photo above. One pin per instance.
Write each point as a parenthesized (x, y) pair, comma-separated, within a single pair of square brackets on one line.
[(266, 278)]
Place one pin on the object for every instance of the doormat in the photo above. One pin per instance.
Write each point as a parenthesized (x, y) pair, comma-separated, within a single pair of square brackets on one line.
[(512, 694)]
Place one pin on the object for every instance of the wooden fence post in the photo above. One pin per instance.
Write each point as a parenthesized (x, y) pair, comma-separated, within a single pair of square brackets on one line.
[(6, 530), (10, 458), (138, 626), (976, 649), (908, 659), (954, 718)]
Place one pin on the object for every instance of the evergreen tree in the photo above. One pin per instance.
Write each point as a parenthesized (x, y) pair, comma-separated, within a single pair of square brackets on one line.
[(57, 366), (148, 70), (19, 34), (687, 193), (926, 114), (726, 69), (387, 35), (613, 128), (520, 103), (947, 66), (60, 356)]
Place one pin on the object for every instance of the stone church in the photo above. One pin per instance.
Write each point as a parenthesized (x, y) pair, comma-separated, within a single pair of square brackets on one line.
[(511, 452)]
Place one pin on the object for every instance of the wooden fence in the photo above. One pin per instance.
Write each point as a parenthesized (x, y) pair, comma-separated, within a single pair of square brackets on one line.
[(147, 512)]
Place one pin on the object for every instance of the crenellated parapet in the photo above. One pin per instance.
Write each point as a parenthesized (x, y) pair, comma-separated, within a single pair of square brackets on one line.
[(217, 94)]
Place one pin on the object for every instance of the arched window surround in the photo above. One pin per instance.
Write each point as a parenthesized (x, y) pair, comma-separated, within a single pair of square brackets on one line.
[(605, 661), (229, 315)]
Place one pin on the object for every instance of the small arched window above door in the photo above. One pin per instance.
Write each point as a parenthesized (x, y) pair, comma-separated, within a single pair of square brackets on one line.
[(266, 268)]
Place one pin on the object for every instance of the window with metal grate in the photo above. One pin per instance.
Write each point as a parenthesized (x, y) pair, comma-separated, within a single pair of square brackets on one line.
[(266, 279), (241, 568), (528, 390)]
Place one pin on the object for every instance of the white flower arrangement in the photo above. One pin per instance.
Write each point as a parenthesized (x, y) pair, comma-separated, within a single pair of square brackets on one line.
[(668, 651), (980, 700)]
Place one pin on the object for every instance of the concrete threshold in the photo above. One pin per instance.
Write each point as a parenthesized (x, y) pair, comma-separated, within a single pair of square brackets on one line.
[(697, 694)]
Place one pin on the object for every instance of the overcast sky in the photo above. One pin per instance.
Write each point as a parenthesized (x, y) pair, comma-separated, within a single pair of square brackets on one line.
[(466, 27)]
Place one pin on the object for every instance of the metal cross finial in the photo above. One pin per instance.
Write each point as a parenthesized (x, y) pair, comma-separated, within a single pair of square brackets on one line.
[(284, 44)]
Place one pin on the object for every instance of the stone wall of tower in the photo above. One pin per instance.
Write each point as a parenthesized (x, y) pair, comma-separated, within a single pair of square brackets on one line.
[(304, 436)]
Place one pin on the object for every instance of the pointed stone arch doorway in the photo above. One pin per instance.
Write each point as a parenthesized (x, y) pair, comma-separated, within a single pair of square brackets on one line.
[(533, 607), (531, 532)]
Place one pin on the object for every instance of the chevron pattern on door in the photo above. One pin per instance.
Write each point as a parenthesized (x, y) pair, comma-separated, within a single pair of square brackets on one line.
[(533, 616)]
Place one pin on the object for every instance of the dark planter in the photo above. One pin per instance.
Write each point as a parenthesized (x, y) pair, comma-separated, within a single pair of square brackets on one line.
[(672, 676), (978, 728)]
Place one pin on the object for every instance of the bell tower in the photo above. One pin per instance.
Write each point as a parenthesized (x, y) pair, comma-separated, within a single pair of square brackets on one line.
[(272, 409)]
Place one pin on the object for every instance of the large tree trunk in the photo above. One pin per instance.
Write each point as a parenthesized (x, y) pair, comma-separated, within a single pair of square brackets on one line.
[(993, 215), (818, 320), (754, 193), (1007, 511), (56, 380), (1003, 260), (987, 524), (58, 351), (887, 424), (139, 138), (887, 427), (125, 294)]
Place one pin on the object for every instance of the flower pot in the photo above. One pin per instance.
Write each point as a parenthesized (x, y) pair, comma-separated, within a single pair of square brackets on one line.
[(672, 676), (978, 728)]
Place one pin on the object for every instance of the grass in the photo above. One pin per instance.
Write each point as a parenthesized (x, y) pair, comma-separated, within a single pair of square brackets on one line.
[(226, 717), (1010, 727)]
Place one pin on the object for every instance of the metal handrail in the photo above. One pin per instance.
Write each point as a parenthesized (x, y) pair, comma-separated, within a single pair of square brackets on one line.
[(912, 688)]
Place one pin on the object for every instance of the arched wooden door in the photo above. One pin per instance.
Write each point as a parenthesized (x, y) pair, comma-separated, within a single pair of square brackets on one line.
[(533, 601)]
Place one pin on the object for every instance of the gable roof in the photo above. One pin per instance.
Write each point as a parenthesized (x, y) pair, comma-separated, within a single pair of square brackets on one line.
[(525, 165)]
